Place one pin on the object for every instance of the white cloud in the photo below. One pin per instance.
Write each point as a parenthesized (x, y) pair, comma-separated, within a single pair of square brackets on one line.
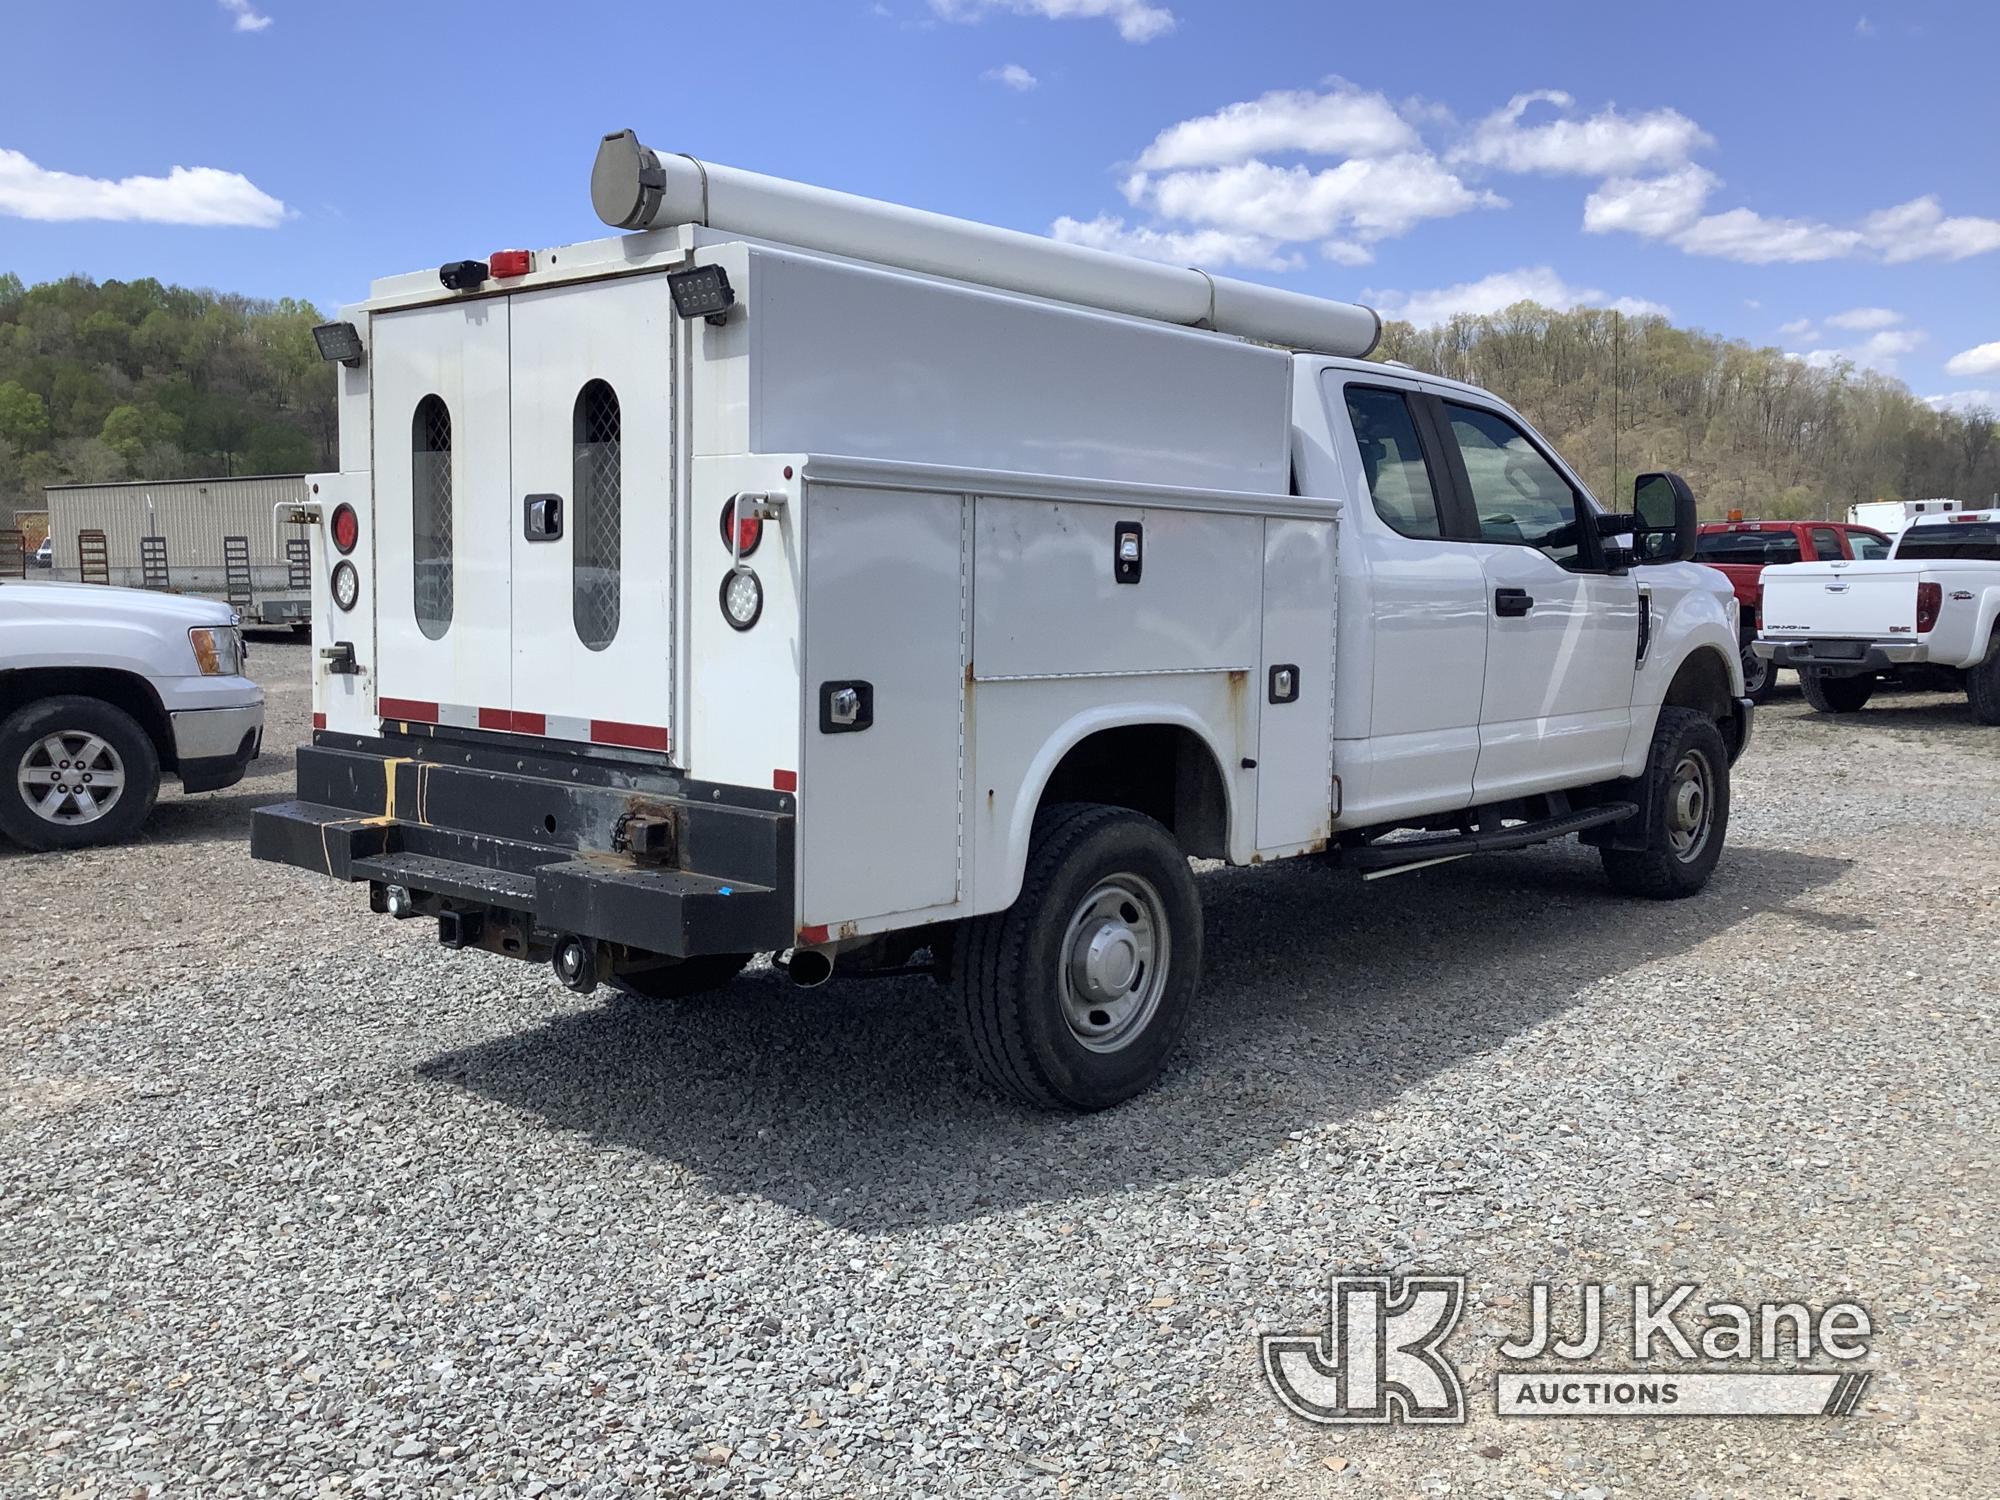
[(1986, 401), (1603, 145), (246, 18), (1879, 351), (1492, 294), (1919, 230), (1862, 319), (1742, 234), (1136, 20), (1800, 329), (186, 195), (1864, 27), (1217, 247), (1362, 199), (1652, 206), (1981, 359), (1014, 76), (1341, 122)]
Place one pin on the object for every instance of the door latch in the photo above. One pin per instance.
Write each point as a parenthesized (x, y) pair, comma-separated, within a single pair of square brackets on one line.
[(1510, 602), (541, 517), (339, 658), (846, 707), (1284, 683), (1128, 555)]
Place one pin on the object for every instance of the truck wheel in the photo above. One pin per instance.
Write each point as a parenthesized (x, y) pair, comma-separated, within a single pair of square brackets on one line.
[(78, 772), (1075, 996), (1982, 685), (1836, 695), (701, 975), (1687, 809), (1760, 676)]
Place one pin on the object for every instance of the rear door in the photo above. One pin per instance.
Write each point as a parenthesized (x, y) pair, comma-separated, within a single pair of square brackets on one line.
[(442, 483), (590, 528)]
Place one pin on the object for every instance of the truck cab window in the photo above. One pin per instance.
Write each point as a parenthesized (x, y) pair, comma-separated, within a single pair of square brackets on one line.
[(1518, 495), (430, 515), (599, 489), (1399, 478), (1826, 543), (1868, 547)]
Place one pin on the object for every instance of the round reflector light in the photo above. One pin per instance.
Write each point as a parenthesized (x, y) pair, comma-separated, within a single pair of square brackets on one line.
[(346, 585), (346, 528), (751, 528), (742, 598)]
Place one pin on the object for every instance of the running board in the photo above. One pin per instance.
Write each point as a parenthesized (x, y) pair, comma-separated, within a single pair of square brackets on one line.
[(1405, 855)]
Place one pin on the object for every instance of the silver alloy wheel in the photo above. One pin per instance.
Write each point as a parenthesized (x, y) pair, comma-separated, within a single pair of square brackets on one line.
[(1115, 956), (1690, 805), (71, 777)]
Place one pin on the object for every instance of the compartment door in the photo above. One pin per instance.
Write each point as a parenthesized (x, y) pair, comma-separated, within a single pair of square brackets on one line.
[(442, 511), (1295, 733), (591, 514)]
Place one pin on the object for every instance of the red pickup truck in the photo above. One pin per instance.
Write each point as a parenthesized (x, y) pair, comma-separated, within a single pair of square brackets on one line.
[(1742, 550)]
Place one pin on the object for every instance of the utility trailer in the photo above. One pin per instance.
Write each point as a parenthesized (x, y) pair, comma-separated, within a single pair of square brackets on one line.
[(806, 575)]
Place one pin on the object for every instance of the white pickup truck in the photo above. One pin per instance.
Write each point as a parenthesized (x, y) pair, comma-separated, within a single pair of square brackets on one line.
[(947, 589), (1932, 605), (102, 689)]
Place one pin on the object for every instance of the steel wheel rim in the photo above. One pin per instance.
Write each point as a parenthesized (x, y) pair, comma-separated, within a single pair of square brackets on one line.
[(70, 778), (1115, 956), (1755, 670), (1690, 805)]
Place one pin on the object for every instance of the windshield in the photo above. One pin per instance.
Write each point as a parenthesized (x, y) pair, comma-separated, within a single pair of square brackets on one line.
[(1960, 541), (1757, 547)]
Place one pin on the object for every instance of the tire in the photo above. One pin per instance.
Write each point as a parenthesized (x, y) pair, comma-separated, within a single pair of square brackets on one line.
[(1077, 994), (1760, 675), (1836, 695), (702, 975), (74, 737), (1982, 685), (1679, 856)]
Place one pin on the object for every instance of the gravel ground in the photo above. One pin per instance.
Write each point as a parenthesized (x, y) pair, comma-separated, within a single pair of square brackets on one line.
[(293, 1202)]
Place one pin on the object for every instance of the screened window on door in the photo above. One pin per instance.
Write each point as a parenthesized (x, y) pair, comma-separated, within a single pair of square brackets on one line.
[(430, 515), (597, 527), (1519, 496)]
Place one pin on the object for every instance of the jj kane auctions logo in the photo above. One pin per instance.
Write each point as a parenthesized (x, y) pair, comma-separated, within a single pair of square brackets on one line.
[(1380, 1356)]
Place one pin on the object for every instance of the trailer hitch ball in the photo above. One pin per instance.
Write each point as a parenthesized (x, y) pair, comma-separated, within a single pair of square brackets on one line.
[(575, 961)]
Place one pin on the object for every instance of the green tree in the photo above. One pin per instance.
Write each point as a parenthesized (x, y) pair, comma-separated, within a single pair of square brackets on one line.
[(24, 419)]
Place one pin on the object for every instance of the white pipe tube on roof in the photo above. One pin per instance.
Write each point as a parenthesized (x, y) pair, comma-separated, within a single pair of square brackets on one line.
[(633, 188)]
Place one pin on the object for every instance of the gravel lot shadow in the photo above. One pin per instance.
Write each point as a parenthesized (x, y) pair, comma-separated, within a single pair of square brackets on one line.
[(1323, 998)]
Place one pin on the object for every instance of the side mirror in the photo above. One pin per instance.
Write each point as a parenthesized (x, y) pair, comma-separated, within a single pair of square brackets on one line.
[(1667, 524)]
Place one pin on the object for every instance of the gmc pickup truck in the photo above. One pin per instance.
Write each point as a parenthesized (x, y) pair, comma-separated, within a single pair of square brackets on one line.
[(1933, 604), (101, 690), (1742, 550)]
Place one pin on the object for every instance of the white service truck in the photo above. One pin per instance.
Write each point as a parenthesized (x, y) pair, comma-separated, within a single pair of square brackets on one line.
[(945, 591), (1931, 608)]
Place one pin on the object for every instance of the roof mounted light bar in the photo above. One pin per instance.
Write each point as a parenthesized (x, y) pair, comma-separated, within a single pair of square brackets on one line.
[(633, 187)]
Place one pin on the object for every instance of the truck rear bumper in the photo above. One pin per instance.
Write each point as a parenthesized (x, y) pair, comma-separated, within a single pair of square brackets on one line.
[(513, 850), (1841, 658)]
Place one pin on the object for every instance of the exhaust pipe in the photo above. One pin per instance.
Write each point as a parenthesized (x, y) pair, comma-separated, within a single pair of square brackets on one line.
[(809, 968)]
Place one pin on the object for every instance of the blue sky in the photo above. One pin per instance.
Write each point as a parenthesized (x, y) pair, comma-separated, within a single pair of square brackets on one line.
[(1820, 177)]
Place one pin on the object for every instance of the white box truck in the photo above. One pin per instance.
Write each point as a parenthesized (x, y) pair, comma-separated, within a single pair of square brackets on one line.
[(801, 574)]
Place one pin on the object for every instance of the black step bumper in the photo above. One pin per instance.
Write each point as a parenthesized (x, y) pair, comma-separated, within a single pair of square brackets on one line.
[(537, 843)]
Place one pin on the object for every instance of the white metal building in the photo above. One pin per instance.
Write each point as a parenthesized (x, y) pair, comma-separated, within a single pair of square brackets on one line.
[(191, 515)]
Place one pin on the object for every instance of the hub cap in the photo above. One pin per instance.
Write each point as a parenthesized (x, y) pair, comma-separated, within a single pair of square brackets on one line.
[(1690, 805), (1115, 956), (71, 777)]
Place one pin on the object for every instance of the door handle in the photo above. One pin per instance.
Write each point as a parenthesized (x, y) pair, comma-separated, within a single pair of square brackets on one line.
[(1512, 601)]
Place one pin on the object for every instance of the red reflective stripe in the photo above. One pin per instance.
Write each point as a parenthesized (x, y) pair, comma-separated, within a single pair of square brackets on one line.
[(319, 721), (408, 708), (495, 718), (812, 934), (514, 721), (785, 781), (636, 736), (525, 723)]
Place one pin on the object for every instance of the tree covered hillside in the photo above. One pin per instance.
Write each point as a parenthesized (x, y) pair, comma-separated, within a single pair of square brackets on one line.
[(1751, 429), (119, 380), (138, 380)]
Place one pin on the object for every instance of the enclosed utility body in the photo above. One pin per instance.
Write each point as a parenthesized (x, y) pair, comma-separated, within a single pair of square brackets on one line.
[(688, 595)]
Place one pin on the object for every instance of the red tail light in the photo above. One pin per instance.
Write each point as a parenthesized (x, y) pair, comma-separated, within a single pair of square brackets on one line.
[(346, 528), (510, 262), (1930, 599), (749, 528)]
